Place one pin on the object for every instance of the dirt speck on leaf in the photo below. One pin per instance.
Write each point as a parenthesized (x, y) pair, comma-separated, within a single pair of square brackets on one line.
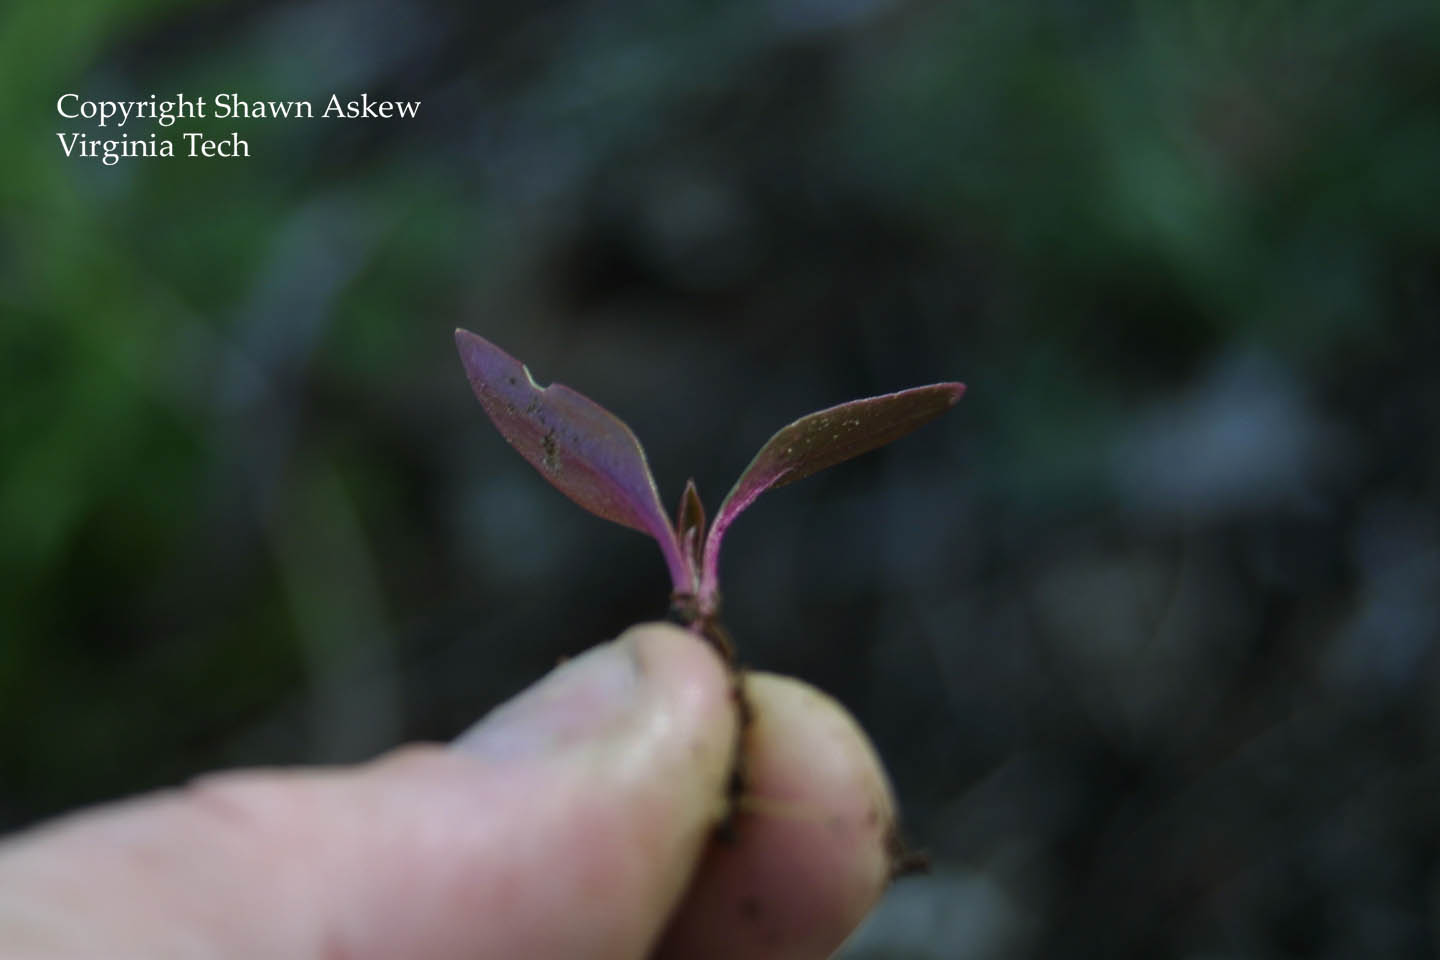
[(552, 461)]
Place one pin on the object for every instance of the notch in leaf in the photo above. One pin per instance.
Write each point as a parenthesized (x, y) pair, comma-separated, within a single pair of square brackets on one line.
[(595, 459)]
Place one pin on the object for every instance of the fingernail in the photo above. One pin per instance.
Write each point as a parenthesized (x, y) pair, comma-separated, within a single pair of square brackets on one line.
[(584, 700)]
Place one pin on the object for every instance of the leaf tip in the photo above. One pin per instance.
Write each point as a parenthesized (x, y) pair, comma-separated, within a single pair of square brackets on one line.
[(691, 512), (472, 344)]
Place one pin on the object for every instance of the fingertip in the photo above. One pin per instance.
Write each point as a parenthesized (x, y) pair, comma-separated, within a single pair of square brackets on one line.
[(567, 823), (682, 664), (811, 851), (573, 832)]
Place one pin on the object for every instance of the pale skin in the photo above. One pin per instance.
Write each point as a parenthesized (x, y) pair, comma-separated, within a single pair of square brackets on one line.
[(577, 820)]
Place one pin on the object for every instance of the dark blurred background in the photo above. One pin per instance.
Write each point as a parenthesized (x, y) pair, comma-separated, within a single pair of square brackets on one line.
[(1145, 628)]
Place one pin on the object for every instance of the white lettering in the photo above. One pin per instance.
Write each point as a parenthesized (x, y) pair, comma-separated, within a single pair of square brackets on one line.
[(111, 152), (228, 148), (368, 109)]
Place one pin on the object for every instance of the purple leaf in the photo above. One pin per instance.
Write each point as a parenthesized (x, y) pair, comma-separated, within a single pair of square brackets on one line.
[(815, 442), (579, 446)]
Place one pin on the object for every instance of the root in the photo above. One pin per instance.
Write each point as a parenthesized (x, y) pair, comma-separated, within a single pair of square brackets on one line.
[(736, 782), (685, 611), (905, 860)]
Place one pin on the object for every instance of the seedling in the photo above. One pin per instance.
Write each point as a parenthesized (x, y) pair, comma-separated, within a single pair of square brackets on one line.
[(594, 459)]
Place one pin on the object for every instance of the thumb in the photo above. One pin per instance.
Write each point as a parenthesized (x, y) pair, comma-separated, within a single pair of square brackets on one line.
[(567, 823)]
